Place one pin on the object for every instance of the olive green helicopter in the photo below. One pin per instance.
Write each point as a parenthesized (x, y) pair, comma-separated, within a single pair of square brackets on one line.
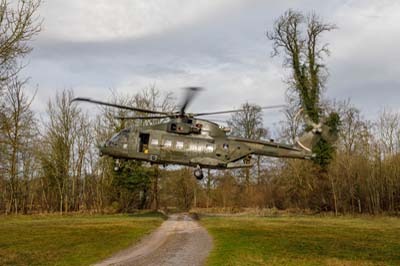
[(188, 140)]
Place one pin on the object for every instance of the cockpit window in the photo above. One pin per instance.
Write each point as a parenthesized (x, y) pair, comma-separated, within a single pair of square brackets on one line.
[(173, 127), (121, 137), (115, 137)]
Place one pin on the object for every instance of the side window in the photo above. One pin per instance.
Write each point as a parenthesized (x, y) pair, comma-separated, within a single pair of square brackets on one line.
[(201, 147), (193, 147), (179, 145), (209, 147), (154, 142), (167, 143)]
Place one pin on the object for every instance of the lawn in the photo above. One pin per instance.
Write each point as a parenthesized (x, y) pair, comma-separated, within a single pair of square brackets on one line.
[(69, 240), (308, 240)]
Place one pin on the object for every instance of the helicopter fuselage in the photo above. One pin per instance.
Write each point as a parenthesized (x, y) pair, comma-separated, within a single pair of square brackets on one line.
[(197, 143)]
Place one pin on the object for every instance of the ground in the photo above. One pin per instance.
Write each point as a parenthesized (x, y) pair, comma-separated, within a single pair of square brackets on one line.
[(308, 240), (179, 241), (246, 240), (69, 240)]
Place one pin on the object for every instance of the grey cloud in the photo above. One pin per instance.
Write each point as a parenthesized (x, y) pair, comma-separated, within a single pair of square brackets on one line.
[(227, 52)]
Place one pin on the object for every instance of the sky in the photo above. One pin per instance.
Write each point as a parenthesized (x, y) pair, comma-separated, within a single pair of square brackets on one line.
[(93, 46)]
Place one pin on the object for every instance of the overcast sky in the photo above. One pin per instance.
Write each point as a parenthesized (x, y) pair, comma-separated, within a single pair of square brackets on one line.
[(93, 45)]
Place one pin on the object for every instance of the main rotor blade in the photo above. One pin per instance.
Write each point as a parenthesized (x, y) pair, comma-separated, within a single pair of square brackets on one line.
[(141, 117), (118, 106), (190, 93), (239, 110)]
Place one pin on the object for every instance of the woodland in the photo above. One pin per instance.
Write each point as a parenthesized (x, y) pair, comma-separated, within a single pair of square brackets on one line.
[(50, 162)]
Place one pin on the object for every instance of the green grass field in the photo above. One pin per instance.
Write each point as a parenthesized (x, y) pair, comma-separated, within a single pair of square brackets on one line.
[(299, 241), (69, 240), (304, 241)]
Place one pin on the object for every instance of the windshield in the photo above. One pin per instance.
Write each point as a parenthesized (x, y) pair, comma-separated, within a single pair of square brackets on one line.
[(120, 137), (115, 137)]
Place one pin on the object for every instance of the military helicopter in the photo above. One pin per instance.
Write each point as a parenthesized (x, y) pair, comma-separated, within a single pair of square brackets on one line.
[(186, 139)]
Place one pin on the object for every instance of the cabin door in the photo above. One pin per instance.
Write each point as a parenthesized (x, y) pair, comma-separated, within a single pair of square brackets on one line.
[(144, 142)]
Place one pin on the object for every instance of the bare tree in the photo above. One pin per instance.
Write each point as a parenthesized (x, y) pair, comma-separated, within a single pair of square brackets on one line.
[(18, 127), (19, 23), (291, 126), (248, 124), (59, 141), (388, 127)]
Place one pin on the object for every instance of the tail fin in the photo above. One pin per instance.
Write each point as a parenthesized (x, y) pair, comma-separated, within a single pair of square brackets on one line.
[(309, 139)]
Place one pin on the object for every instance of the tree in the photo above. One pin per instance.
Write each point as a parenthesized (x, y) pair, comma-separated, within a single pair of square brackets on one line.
[(18, 132), (298, 38), (388, 128), (180, 188), (290, 126), (248, 124), (60, 141), (18, 25), (133, 182)]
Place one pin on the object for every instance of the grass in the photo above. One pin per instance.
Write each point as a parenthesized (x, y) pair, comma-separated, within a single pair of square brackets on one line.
[(284, 241), (69, 240), (309, 240)]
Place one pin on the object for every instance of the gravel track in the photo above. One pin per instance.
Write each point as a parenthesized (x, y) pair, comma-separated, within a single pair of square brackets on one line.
[(179, 241)]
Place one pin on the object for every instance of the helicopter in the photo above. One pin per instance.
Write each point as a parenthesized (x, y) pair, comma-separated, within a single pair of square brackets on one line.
[(185, 139)]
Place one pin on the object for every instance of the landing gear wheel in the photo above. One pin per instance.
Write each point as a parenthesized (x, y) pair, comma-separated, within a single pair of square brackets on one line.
[(198, 173), (117, 165)]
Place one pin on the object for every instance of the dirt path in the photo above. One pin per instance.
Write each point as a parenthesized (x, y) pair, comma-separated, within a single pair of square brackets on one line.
[(179, 241)]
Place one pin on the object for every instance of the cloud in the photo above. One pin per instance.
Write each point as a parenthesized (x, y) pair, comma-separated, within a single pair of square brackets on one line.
[(364, 61), (99, 20), (92, 46)]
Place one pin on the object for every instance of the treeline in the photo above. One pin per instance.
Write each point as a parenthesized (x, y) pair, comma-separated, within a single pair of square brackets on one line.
[(52, 164)]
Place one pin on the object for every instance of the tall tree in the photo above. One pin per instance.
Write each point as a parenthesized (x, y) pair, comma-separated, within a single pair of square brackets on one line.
[(19, 23), (18, 126), (388, 128), (59, 142), (248, 124), (298, 38)]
